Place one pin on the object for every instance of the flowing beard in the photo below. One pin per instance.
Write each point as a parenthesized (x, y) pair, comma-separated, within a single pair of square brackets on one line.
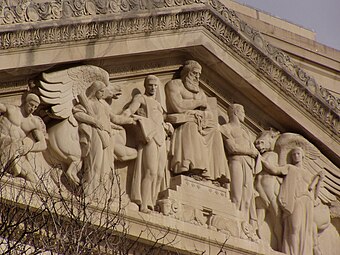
[(191, 85)]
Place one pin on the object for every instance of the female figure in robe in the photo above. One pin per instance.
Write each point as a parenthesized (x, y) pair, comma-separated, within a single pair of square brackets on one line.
[(296, 197), (95, 133)]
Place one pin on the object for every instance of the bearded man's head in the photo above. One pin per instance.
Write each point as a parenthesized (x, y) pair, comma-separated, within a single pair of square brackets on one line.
[(190, 75)]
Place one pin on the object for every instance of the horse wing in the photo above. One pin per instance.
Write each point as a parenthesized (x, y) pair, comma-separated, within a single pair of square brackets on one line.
[(60, 89), (314, 161)]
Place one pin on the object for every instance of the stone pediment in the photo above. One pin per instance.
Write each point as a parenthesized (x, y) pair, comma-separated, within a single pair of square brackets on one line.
[(48, 46), (49, 23)]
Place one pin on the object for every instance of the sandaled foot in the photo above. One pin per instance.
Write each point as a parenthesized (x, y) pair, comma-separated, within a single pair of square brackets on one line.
[(145, 210)]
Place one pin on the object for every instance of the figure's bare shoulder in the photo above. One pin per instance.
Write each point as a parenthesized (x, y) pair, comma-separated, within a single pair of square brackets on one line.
[(271, 156), (138, 97), (38, 123), (226, 130), (14, 114), (175, 85), (202, 94), (138, 100), (174, 82), (12, 108)]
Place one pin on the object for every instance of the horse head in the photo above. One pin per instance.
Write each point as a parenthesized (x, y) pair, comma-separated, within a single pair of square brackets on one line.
[(266, 140), (113, 91)]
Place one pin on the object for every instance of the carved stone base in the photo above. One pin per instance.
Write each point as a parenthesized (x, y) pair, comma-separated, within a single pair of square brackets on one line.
[(192, 201)]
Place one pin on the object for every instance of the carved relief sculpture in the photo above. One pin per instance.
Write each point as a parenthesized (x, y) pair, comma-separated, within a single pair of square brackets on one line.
[(197, 145), (297, 197), (85, 137), (92, 150), (276, 151), (121, 152), (95, 137), (22, 138), (241, 154), (268, 187), (150, 165)]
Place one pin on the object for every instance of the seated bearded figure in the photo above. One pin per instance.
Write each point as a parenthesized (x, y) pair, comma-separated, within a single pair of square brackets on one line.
[(197, 146)]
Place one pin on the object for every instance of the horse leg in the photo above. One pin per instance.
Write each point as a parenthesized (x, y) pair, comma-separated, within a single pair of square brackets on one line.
[(73, 170)]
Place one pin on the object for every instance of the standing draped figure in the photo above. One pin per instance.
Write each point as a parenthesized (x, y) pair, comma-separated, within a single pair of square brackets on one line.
[(150, 166), (297, 196), (241, 154), (95, 133)]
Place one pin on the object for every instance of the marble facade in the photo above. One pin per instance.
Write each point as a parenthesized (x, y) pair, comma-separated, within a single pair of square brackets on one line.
[(176, 100)]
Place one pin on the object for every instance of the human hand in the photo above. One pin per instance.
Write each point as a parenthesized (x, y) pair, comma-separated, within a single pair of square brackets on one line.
[(116, 127), (132, 121), (254, 153), (128, 120), (266, 201), (169, 129), (21, 151), (136, 118)]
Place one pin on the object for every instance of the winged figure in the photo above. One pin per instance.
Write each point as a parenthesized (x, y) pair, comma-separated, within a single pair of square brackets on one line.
[(74, 98), (308, 182), (314, 162)]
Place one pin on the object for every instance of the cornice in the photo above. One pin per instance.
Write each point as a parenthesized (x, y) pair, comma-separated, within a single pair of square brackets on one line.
[(58, 21), (18, 86), (33, 11)]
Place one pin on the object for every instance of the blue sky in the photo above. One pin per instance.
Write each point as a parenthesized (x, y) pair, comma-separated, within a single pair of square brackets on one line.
[(320, 16)]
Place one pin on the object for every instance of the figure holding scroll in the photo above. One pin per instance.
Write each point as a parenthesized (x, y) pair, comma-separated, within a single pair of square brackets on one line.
[(151, 159)]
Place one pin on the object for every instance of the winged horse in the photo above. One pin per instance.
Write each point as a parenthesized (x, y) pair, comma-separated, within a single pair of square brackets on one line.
[(60, 91)]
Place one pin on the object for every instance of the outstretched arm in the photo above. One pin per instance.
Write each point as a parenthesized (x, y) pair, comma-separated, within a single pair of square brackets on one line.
[(121, 119), (236, 149), (276, 170), (83, 117), (134, 106), (36, 141)]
